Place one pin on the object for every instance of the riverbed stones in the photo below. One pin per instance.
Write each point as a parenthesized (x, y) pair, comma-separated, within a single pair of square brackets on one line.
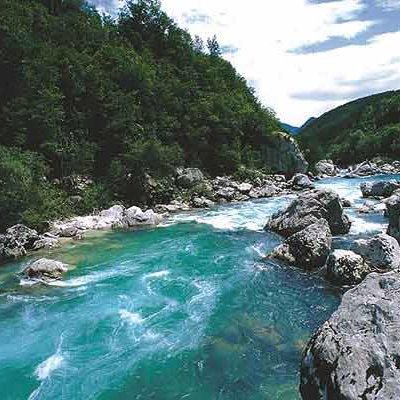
[(309, 248), (45, 269), (379, 189), (344, 267), (381, 252), (355, 355), (393, 213), (308, 209)]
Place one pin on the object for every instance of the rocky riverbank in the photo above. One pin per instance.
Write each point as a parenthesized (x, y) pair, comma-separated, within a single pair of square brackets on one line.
[(355, 354), (327, 168), (192, 190)]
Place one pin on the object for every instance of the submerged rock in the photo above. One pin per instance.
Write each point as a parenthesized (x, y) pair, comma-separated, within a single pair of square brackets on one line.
[(355, 355), (344, 267), (308, 209), (393, 213), (45, 269), (379, 189), (309, 248), (382, 251)]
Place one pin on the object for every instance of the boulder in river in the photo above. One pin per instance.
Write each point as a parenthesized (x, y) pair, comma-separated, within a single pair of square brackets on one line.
[(393, 213), (309, 248), (344, 267), (379, 189), (45, 269), (382, 251), (307, 209), (355, 355), (326, 168)]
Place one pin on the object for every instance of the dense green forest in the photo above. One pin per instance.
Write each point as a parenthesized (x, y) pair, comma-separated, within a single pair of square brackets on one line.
[(356, 131), (114, 99)]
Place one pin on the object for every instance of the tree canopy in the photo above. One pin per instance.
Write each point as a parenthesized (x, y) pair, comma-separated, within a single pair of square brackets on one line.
[(356, 131), (81, 93)]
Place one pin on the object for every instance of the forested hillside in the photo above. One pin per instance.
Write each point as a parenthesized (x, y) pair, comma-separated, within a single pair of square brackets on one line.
[(113, 100), (356, 131)]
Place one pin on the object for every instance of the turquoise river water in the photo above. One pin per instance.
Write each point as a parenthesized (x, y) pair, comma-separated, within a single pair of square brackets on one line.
[(189, 310)]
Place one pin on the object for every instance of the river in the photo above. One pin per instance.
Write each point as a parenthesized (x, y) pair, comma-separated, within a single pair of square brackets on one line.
[(189, 310)]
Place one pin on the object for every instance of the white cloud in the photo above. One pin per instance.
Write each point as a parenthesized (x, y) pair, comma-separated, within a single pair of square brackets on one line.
[(266, 33), (389, 5)]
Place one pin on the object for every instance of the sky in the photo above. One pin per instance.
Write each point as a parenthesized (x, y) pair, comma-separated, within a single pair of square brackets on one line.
[(303, 57)]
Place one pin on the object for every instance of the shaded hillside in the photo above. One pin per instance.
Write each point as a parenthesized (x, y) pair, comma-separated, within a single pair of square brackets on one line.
[(293, 130), (115, 100), (356, 131)]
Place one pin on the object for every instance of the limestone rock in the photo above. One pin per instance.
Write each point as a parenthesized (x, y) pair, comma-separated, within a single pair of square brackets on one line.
[(309, 248), (307, 209), (379, 189), (45, 269), (382, 251), (326, 168), (345, 267), (393, 213), (355, 355)]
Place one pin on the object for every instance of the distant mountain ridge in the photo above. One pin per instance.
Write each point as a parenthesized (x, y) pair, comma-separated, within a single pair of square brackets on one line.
[(295, 130), (356, 131)]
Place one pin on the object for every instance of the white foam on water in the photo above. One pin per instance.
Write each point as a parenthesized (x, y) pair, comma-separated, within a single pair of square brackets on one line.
[(88, 279), (47, 367), (156, 275), (29, 282), (361, 226), (131, 317)]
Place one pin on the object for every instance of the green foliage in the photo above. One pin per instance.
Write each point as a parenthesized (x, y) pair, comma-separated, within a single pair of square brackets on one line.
[(25, 194), (119, 100), (357, 131)]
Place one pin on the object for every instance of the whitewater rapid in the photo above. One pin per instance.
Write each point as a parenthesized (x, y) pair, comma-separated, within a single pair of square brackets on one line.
[(187, 310)]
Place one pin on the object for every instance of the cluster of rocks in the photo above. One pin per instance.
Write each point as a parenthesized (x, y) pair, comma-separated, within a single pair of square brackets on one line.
[(356, 353), (369, 168), (116, 217), (380, 189), (19, 239), (308, 224), (197, 191), (327, 168)]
